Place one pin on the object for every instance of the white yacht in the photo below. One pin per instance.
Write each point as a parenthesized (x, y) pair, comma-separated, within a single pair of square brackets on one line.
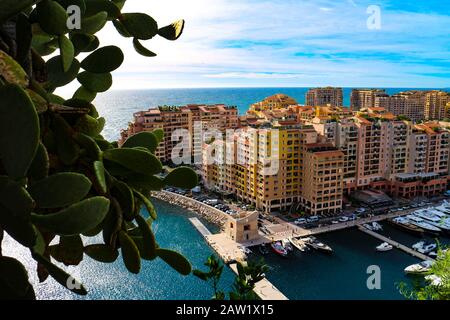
[(384, 247), (374, 226), (427, 215), (424, 247), (418, 268), (419, 222), (299, 244)]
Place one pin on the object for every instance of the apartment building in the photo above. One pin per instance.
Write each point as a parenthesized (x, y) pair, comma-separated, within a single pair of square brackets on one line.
[(410, 104), (325, 96), (323, 179), (435, 104), (277, 101), (195, 119), (364, 98)]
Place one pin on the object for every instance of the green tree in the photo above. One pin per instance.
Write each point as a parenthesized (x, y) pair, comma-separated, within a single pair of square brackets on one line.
[(436, 282), (59, 177), (249, 273)]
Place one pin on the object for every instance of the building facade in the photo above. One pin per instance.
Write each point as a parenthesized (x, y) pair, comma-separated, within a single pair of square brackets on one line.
[(325, 96)]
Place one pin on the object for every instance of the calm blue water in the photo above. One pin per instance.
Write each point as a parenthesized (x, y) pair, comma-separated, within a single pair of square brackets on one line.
[(118, 106), (156, 281)]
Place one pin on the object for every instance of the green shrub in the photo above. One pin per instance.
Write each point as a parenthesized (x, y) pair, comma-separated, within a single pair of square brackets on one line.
[(59, 177)]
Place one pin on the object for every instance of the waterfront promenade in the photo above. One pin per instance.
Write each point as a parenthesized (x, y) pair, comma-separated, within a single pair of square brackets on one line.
[(395, 244)]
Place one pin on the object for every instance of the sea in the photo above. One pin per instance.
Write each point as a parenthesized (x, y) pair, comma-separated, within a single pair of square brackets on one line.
[(308, 276)]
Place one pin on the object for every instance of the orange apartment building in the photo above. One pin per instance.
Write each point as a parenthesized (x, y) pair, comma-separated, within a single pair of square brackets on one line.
[(188, 117)]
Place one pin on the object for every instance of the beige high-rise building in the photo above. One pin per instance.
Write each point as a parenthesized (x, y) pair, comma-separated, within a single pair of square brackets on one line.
[(410, 104), (323, 179), (435, 104), (277, 101), (325, 96), (364, 98), (193, 118)]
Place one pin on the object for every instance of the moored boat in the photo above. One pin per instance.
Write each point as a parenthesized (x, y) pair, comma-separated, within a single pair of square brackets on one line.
[(278, 248), (384, 247), (287, 245), (419, 268), (419, 222), (424, 247), (316, 244), (403, 224), (298, 244)]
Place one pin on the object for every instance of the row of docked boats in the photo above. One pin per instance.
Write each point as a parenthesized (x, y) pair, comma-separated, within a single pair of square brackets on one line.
[(286, 246), (430, 220)]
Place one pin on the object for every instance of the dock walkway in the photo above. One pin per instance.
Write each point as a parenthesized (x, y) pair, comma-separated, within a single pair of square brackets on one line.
[(395, 244), (230, 251)]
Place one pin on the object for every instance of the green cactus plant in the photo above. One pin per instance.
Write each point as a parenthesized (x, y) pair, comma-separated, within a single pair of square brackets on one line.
[(59, 177)]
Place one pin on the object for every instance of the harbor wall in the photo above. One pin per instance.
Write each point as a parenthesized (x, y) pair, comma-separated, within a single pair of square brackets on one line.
[(207, 212)]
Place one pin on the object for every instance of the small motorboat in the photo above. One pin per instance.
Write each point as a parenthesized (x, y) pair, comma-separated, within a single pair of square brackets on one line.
[(299, 244), (376, 226), (419, 268), (263, 249), (278, 248), (316, 244), (424, 247), (245, 250), (384, 247)]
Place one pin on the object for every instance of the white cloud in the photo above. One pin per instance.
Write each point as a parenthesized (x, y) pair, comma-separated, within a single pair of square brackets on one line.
[(250, 42)]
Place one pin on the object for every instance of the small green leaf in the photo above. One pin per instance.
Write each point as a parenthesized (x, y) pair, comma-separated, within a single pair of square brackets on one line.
[(68, 151), (60, 190), (14, 283), (40, 165), (135, 160), (121, 29), (119, 3), (40, 104), (99, 170), (96, 62), (130, 253), (23, 37), (56, 75), (125, 196), (142, 50), (95, 82), (52, 17), (69, 250), (19, 130), (91, 25), (144, 183), (143, 139), (175, 260), (173, 31), (84, 42), (67, 52), (89, 144), (147, 203), (101, 253), (62, 277), (18, 227), (89, 126), (44, 44), (78, 218), (95, 6), (149, 241), (139, 25), (182, 177), (84, 94), (159, 134), (11, 71)]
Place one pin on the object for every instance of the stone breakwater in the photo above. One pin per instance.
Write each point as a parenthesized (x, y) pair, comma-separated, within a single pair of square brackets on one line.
[(207, 212)]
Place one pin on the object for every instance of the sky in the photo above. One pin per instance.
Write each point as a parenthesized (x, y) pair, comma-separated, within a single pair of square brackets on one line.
[(291, 43)]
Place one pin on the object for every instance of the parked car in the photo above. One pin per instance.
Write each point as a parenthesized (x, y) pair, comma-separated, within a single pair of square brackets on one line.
[(300, 221)]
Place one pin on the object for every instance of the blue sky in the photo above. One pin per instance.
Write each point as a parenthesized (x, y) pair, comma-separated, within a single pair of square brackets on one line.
[(248, 43)]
